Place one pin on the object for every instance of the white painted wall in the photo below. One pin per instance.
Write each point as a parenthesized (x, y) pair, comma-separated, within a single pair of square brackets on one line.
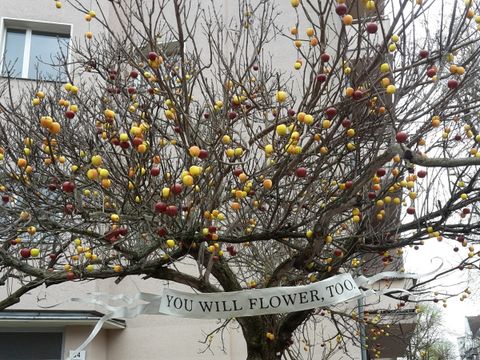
[(146, 337)]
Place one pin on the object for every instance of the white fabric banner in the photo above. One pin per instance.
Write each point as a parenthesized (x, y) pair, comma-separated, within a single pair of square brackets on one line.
[(334, 290), (276, 300)]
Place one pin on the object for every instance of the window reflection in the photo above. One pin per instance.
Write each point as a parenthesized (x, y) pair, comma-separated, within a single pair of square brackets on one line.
[(14, 49), (48, 54)]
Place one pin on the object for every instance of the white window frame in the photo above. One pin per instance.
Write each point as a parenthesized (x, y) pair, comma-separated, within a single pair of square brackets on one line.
[(29, 26)]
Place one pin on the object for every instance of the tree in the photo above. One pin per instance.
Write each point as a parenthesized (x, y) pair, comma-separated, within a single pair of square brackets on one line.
[(428, 341), (178, 140)]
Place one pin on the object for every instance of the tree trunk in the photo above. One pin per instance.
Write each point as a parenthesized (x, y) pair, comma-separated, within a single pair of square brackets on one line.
[(259, 347), (257, 356), (264, 353)]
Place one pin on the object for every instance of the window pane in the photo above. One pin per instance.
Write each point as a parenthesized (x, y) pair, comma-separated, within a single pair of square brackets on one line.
[(14, 48), (41, 346), (48, 53)]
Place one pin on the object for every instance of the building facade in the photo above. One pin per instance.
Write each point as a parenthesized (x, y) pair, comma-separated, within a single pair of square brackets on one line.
[(469, 345), (30, 38)]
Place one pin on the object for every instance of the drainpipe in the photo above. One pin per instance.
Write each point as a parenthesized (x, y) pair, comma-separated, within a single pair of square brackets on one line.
[(363, 348)]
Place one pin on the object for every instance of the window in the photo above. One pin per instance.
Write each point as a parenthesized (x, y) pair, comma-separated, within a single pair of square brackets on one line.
[(34, 50), (41, 345)]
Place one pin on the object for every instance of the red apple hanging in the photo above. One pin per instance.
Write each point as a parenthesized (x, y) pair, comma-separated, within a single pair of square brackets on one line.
[(372, 28), (25, 253), (357, 94), (330, 113), (68, 186), (203, 154), (301, 172), (423, 54), (171, 210), (176, 189), (160, 207), (381, 172), (431, 72), (152, 56), (321, 78), (401, 136), (70, 276), (452, 84), (341, 9), (421, 174), (161, 231), (346, 123), (69, 114)]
